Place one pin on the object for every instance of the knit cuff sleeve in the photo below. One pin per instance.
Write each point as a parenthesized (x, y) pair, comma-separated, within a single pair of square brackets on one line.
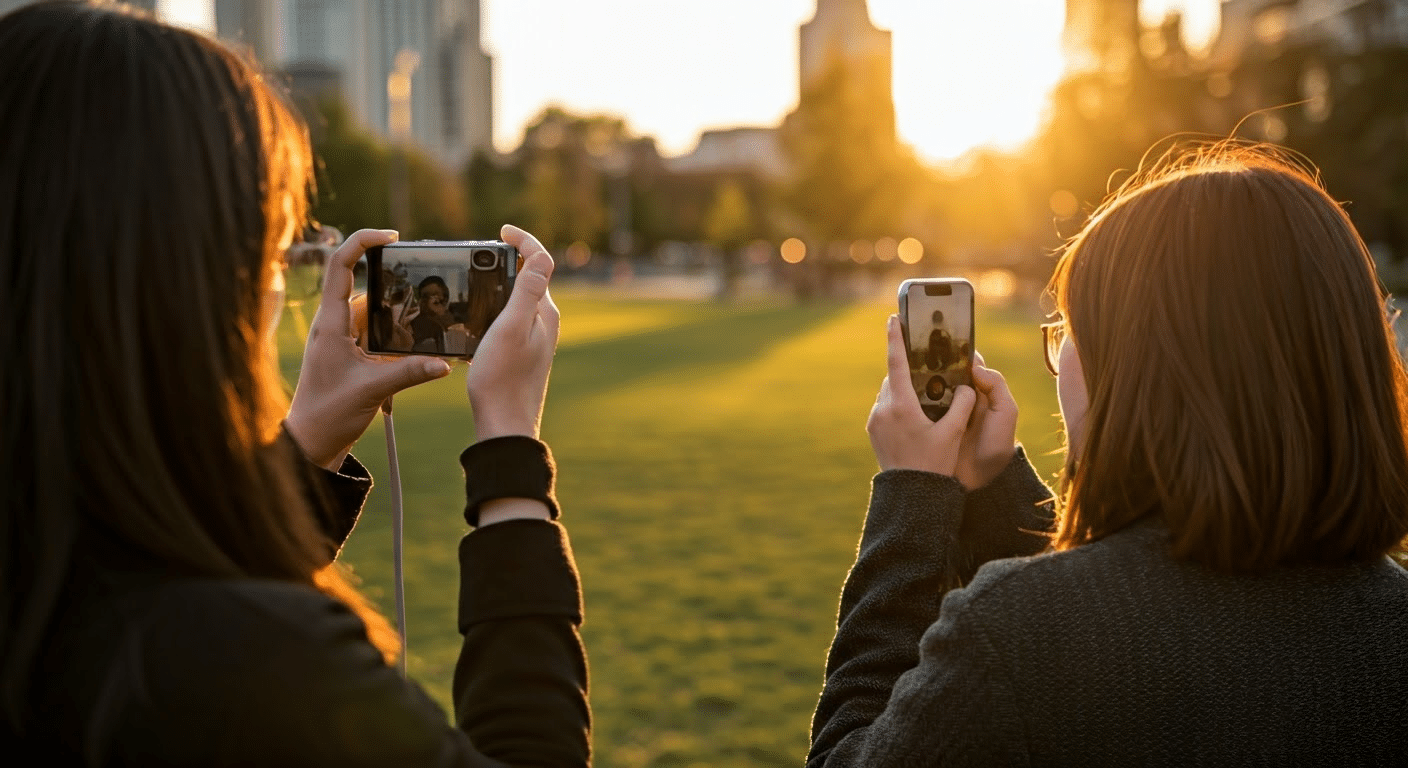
[(511, 467)]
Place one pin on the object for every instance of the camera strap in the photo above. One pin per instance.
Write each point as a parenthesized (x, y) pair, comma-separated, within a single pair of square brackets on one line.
[(396, 530)]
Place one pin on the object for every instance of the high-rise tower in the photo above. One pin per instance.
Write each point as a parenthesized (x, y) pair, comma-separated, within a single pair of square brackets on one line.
[(357, 42), (841, 33)]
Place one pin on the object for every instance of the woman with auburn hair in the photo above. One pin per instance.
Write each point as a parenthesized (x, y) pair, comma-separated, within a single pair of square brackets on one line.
[(1214, 584), (170, 520)]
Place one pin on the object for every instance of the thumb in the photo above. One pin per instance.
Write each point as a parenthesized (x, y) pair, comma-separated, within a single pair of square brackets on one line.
[(392, 377), (959, 411), (529, 288)]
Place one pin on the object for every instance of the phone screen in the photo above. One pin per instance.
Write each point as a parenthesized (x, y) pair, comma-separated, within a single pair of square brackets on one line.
[(436, 299), (938, 321)]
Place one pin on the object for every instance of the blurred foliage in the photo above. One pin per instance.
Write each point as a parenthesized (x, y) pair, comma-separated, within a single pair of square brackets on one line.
[(729, 226), (850, 178), (354, 180), (1345, 109)]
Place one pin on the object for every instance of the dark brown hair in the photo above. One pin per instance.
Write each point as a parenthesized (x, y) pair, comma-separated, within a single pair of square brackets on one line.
[(148, 174), (1243, 379)]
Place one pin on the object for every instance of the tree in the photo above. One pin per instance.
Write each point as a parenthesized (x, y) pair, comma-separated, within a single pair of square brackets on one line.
[(729, 226), (354, 179), (850, 176)]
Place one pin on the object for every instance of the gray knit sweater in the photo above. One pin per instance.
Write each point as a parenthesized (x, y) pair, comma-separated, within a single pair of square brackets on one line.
[(1110, 654)]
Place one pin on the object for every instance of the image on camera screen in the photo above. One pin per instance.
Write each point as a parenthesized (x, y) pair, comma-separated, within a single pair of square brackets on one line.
[(438, 300), (940, 344)]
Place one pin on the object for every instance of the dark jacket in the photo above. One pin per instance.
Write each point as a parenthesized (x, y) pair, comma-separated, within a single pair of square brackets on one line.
[(147, 667), (1113, 653)]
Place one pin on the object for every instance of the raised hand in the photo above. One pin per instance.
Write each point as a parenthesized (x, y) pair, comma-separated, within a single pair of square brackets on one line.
[(341, 387), (508, 378), (990, 440), (901, 434)]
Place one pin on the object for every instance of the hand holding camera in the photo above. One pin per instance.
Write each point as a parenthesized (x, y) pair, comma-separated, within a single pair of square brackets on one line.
[(340, 387), (508, 379)]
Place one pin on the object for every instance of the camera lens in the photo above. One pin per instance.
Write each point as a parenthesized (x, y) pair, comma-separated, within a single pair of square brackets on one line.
[(934, 390), (484, 259)]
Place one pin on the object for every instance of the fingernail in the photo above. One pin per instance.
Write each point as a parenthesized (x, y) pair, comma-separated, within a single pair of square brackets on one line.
[(391, 233), (436, 368)]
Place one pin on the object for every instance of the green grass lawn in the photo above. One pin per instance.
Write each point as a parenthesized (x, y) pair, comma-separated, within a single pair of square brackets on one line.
[(714, 471)]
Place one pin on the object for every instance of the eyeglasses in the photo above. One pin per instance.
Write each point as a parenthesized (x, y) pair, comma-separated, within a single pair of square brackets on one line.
[(1053, 334)]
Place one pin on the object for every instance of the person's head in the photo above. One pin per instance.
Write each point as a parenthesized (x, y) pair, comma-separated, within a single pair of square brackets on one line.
[(434, 295), (1229, 366), (938, 317), (153, 181)]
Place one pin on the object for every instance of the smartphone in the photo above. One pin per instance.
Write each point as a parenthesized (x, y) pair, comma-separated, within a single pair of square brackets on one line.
[(432, 297), (936, 319)]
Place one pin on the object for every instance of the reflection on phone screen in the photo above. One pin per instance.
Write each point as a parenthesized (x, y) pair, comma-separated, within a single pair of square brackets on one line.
[(940, 342)]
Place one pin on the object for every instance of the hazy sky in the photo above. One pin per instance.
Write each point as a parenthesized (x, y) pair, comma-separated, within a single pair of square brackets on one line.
[(966, 72)]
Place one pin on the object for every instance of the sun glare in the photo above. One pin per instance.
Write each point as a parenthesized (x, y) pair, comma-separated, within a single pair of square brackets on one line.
[(971, 74)]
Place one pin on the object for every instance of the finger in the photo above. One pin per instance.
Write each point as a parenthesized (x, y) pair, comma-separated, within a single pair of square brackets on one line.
[(551, 317), (994, 386), (526, 243), (529, 289), (899, 379), (964, 398), (334, 316), (978, 359), (393, 376)]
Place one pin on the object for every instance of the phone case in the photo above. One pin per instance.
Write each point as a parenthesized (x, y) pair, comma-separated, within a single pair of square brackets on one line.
[(945, 358)]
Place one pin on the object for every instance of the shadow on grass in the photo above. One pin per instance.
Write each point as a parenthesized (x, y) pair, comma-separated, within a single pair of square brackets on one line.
[(729, 337)]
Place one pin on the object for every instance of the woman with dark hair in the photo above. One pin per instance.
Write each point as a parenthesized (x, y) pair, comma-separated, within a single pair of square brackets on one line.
[(170, 520), (428, 328), (1213, 585)]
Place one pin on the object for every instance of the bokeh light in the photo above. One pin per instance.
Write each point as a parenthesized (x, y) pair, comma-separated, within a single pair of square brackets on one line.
[(886, 249), (997, 284), (910, 251), (579, 254), (862, 252), (1064, 204), (793, 250)]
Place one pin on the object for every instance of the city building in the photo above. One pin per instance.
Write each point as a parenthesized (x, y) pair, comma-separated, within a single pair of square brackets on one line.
[(732, 150), (352, 48), (840, 32)]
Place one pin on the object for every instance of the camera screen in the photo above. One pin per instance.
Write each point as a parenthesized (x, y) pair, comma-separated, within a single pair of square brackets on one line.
[(940, 326), (436, 299)]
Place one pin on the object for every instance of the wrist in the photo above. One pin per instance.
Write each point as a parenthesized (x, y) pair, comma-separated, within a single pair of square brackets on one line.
[(325, 456), (503, 510), (517, 469), (488, 425)]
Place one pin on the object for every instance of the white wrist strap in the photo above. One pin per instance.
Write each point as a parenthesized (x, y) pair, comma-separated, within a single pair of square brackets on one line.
[(396, 530)]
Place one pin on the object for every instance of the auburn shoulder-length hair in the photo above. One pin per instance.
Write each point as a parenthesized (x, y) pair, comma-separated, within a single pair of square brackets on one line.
[(148, 175), (1243, 380)]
